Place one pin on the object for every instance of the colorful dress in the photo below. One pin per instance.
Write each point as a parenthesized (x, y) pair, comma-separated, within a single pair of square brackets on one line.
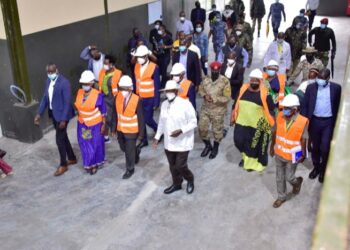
[(91, 142)]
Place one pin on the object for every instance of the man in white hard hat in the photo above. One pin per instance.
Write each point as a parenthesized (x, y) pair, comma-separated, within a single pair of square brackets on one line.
[(289, 147), (177, 122), (187, 89), (253, 119), (147, 84), (129, 123)]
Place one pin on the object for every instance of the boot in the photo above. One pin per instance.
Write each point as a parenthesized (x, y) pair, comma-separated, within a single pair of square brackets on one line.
[(208, 148), (215, 150)]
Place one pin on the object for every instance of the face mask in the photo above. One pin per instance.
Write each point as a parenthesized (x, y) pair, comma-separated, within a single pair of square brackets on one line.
[(301, 14), (323, 26), (230, 61), (106, 67), (309, 58), (141, 60), (182, 48), (170, 96), (254, 86), (214, 76), (311, 81), (287, 112), (52, 76), (182, 19), (280, 40), (199, 30), (232, 45), (214, 9), (298, 26), (160, 32), (238, 32), (321, 82), (177, 79), (271, 72), (157, 26), (86, 88), (125, 93)]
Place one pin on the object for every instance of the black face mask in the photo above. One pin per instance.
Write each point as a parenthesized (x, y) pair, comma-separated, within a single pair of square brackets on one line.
[(254, 86), (215, 76), (232, 45), (309, 58)]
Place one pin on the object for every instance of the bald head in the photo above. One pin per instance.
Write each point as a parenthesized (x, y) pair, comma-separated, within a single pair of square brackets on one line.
[(324, 74)]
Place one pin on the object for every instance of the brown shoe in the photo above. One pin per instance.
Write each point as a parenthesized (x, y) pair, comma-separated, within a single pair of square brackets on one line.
[(278, 203), (72, 162), (60, 170), (297, 186)]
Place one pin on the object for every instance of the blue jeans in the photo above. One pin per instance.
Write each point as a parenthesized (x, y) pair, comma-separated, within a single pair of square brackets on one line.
[(148, 105)]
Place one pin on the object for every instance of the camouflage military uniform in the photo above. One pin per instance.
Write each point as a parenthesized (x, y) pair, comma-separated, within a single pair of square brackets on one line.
[(297, 41), (244, 41), (304, 67), (214, 113), (247, 29)]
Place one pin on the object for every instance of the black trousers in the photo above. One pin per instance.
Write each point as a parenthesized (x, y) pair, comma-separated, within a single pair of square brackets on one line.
[(163, 63), (321, 132), (128, 146), (178, 166), (311, 18), (64, 147)]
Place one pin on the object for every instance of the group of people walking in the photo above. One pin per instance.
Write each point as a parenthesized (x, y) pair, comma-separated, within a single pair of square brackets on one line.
[(269, 118)]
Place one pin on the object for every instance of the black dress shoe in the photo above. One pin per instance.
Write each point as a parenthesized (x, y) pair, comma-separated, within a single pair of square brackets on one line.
[(190, 187), (142, 144), (172, 189), (128, 174), (241, 164), (314, 173), (321, 178)]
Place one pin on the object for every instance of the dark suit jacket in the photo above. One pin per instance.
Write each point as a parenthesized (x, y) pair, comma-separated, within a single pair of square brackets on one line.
[(237, 74), (62, 109), (198, 15), (309, 103), (193, 69)]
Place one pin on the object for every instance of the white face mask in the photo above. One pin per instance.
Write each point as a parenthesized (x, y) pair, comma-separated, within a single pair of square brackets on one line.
[(52, 76), (106, 66), (199, 30), (86, 88), (141, 60), (280, 40), (125, 93), (170, 96), (182, 19), (176, 79), (156, 26), (238, 32), (230, 61)]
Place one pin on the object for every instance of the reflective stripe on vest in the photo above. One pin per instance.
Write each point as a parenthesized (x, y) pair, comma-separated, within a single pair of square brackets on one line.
[(127, 118), (145, 83), (115, 80), (286, 140), (88, 114), (184, 88), (282, 82), (263, 96)]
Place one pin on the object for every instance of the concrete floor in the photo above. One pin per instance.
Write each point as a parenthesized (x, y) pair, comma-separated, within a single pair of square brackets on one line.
[(230, 208)]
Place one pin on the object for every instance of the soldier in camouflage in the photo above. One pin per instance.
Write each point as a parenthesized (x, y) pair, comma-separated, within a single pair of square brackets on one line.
[(247, 28), (244, 41), (216, 91)]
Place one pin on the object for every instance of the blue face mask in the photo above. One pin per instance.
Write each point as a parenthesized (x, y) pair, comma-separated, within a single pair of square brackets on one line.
[(287, 112), (321, 82), (311, 81), (271, 72), (52, 76), (182, 48), (323, 26)]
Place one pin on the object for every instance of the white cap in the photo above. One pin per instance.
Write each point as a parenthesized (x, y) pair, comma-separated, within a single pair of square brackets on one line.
[(87, 77), (177, 69), (170, 85), (272, 63), (290, 100), (125, 81), (256, 73), (142, 50)]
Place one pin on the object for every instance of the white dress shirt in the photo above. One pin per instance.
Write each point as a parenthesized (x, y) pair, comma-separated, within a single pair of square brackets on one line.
[(178, 114), (97, 66), (283, 56), (51, 88), (229, 70), (143, 68)]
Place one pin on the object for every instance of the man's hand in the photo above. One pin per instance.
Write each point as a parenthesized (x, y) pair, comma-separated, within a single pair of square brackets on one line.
[(301, 159), (62, 125), (208, 98), (176, 133), (155, 144), (272, 150), (103, 128), (37, 120), (155, 108), (232, 123)]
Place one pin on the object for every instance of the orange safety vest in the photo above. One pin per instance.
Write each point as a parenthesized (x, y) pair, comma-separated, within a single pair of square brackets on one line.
[(282, 81), (184, 88), (115, 80), (127, 118), (145, 83), (287, 140), (263, 96), (88, 113)]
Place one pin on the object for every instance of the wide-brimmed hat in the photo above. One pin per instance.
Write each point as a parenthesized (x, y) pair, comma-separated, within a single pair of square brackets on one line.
[(171, 85), (309, 50)]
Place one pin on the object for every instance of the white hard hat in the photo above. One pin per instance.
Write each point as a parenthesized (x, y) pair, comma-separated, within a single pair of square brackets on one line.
[(272, 63), (256, 73), (87, 77), (290, 100), (142, 50), (170, 85), (177, 69), (125, 81)]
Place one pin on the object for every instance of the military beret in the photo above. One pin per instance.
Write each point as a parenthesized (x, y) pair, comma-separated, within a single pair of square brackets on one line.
[(324, 21), (215, 65)]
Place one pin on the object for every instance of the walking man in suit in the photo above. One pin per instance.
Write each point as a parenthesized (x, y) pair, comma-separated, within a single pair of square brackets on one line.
[(321, 105), (57, 97)]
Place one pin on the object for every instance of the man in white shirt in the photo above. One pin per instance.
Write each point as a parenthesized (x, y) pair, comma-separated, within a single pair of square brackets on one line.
[(311, 7), (184, 25), (177, 122)]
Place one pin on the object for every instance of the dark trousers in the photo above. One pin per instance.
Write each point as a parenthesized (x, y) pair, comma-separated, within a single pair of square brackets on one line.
[(178, 166), (321, 132), (128, 146), (205, 70), (148, 104), (311, 18), (275, 26), (163, 63), (64, 147)]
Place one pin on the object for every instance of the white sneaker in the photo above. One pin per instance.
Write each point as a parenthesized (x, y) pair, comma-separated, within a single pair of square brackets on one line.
[(2, 176)]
